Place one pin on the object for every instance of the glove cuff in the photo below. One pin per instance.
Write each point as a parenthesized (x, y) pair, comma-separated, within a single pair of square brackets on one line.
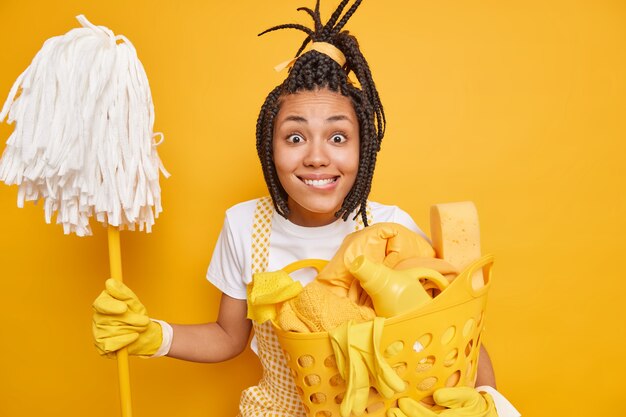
[(503, 407), (166, 342)]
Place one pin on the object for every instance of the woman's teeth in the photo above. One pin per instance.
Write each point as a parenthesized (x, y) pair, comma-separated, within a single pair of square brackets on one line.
[(319, 183)]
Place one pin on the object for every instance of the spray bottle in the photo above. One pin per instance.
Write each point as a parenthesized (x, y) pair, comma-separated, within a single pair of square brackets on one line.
[(394, 292)]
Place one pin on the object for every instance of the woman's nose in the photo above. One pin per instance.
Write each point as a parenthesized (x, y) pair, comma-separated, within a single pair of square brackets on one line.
[(317, 155)]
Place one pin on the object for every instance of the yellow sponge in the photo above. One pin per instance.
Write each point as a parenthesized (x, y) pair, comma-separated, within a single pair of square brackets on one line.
[(268, 289), (455, 235)]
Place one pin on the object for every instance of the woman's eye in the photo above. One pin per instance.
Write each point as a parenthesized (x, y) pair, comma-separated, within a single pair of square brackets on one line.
[(338, 138), (295, 139)]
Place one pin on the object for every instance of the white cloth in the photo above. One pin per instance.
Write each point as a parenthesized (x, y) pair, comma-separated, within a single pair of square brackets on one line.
[(230, 269)]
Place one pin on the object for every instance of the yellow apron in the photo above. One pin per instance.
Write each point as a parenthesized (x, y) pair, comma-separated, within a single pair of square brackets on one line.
[(276, 394)]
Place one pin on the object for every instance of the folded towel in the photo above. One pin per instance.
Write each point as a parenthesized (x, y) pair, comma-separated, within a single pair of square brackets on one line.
[(318, 309)]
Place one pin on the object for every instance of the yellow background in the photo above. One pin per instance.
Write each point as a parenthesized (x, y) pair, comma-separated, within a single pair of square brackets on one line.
[(516, 105)]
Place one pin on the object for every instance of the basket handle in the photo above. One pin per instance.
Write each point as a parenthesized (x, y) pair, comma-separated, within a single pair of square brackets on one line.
[(317, 264), (477, 284)]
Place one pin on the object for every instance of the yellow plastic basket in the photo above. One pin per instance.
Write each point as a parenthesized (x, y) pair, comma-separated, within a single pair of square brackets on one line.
[(440, 344)]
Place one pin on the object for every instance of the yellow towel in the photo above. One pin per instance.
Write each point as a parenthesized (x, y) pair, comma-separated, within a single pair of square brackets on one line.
[(318, 309)]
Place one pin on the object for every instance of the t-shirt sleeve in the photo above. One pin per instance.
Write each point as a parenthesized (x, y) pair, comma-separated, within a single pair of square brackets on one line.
[(226, 267)]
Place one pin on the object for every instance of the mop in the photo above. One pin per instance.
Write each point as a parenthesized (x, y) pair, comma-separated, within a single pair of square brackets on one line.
[(83, 142)]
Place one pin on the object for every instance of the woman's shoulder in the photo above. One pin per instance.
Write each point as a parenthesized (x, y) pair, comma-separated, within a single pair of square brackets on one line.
[(243, 210), (239, 219), (385, 212)]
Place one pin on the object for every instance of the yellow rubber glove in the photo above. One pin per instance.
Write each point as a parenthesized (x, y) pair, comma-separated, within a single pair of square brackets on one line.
[(120, 320), (458, 402), (395, 412), (387, 243), (357, 354)]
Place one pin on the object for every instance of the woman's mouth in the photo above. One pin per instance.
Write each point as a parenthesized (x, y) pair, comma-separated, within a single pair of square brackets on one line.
[(319, 182)]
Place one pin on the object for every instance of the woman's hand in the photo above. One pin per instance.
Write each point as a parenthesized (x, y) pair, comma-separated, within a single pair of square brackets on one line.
[(387, 243), (120, 320)]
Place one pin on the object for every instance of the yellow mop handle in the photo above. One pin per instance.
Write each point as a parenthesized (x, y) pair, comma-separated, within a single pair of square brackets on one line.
[(115, 262)]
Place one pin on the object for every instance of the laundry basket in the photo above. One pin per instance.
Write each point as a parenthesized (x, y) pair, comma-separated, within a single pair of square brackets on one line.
[(439, 347)]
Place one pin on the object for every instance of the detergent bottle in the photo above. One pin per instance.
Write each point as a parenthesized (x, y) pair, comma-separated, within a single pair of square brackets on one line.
[(394, 292)]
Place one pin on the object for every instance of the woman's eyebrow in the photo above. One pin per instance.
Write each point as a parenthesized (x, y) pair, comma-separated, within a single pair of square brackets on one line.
[(294, 118), (338, 117), (300, 119)]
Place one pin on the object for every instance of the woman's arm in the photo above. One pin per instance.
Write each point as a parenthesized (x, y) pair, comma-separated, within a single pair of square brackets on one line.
[(484, 373), (214, 342)]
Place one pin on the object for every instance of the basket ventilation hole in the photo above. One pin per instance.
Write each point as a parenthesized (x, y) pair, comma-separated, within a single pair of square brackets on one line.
[(427, 383), (287, 356), (293, 373), (451, 357), (425, 364), (330, 362), (468, 348), (422, 342), (375, 407), (339, 397), (323, 413), (300, 391), (306, 361), (448, 335), (453, 379), (312, 379), (336, 380), (318, 398), (400, 368), (394, 348), (469, 326)]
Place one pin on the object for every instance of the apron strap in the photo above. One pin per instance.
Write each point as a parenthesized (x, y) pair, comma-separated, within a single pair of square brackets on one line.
[(261, 231)]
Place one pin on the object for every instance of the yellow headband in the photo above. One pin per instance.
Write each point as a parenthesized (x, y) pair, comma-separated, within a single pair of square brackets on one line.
[(324, 47)]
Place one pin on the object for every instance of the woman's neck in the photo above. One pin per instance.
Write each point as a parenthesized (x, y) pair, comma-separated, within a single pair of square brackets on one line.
[(310, 219)]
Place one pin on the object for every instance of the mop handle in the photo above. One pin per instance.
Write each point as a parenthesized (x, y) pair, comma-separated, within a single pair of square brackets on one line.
[(115, 262)]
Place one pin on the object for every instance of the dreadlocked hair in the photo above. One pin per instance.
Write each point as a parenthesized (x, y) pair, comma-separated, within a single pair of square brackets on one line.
[(313, 70)]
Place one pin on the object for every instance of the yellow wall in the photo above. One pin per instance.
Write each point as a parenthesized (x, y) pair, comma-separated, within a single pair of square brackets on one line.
[(518, 106)]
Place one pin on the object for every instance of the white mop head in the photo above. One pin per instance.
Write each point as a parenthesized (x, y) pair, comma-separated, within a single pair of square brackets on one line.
[(83, 138)]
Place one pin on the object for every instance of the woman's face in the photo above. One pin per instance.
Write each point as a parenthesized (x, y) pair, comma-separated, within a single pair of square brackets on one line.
[(316, 153)]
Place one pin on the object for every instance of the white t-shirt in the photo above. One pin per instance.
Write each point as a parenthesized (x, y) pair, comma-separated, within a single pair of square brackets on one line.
[(230, 269)]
